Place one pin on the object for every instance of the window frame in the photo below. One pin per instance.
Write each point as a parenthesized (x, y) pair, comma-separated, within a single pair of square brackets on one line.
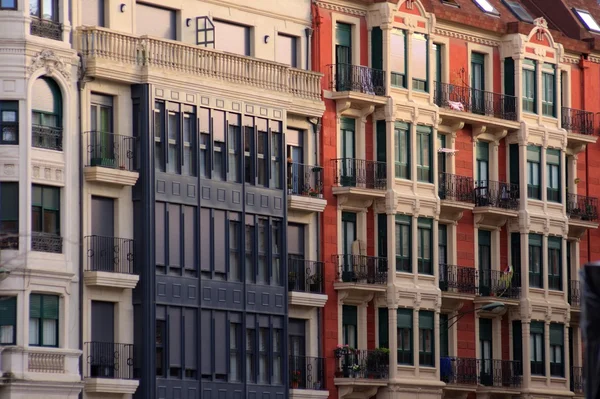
[(424, 133), (294, 49), (424, 260), (345, 325), (581, 15), (9, 242), (41, 319), (493, 11), (557, 345), (43, 209), (537, 331), (553, 167), (421, 85), (40, 13), (247, 34), (549, 90), (535, 246), (9, 106), (398, 78), (555, 253), (534, 157), (8, 302), (402, 169), (518, 11), (403, 261), (208, 27), (426, 357), (529, 103), (14, 7), (404, 329)]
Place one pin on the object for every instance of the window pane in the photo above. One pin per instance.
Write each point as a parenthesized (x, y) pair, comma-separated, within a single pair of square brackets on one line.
[(162, 21), (49, 332), (286, 50), (232, 38), (419, 56), (398, 51), (34, 328)]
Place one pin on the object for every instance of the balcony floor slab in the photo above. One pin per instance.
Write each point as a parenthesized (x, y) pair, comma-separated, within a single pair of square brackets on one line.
[(307, 299), (111, 386), (115, 177), (306, 203), (108, 279)]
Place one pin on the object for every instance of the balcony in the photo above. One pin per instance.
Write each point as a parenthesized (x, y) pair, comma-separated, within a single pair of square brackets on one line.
[(129, 58), (583, 214), (46, 242), (305, 282), (109, 158), (495, 202), (45, 28), (108, 368), (360, 85), (109, 262), (361, 270), (465, 104), (577, 380), (499, 285), (305, 188), (503, 374), (458, 371), (372, 364), (574, 294), (359, 179), (307, 373), (579, 124), (59, 365), (47, 137), (456, 195), (458, 280)]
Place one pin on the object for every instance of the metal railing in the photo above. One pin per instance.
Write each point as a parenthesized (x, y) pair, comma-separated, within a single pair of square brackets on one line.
[(462, 98), (457, 370), (351, 172), (361, 269), (307, 372), (499, 284), (124, 50), (43, 362), (456, 188), (500, 373), (50, 138), (108, 360), (305, 180), (109, 150), (458, 279), (582, 207), (496, 194), (538, 367), (9, 239), (577, 121), (109, 254), (575, 294), (45, 242), (576, 379), (45, 28), (361, 363), (305, 275), (358, 78)]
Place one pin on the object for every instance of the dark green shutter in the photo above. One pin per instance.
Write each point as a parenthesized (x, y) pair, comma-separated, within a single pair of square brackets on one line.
[(514, 164), (405, 318), (384, 331), (426, 320), (8, 311), (35, 306), (557, 334), (443, 335), (484, 237), (343, 34), (537, 327), (376, 48), (515, 251), (349, 315), (349, 217), (381, 141), (485, 329), (555, 243), (382, 229), (535, 240), (517, 335), (50, 307), (509, 76), (348, 124)]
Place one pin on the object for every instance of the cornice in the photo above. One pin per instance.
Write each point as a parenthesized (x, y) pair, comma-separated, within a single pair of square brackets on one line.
[(594, 59), (570, 59), (340, 8), (465, 36)]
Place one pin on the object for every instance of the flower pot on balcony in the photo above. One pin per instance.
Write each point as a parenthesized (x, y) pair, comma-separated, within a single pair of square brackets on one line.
[(294, 384), (106, 162)]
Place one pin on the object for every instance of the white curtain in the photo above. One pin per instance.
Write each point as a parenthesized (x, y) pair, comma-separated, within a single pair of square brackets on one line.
[(49, 330), (6, 334), (34, 328)]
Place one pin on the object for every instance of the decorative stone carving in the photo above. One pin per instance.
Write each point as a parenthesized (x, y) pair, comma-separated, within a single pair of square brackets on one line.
[(50, 62), (9, 169), (540, 23)]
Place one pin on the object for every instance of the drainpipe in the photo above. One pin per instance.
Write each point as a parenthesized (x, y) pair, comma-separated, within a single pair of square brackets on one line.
[(80, 87)]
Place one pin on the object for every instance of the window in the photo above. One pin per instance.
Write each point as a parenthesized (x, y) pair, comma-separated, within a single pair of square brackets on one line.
[(276, 251), (204, 143), (263, 355), (287, 50), (533, 172), (43, 320), (155, 21), (94, 12), (175, 236), (482, 163), (478, 105), (8, 4), (424, 154), (587, 19), (262, 146), (403, 243), (486, 6), (485, 347), (232, 38), (173, 140), (444, 338), (46, 115), (160, 328), (442, 244), (553, 175), (159, 129), (250, 353), (424, 249), (536, 348), (9, 122), (277, 356), (235, 338), (437, 65), (8, 320), (555, 263), (205, 32), (548, 90), (249, 134), (43, 9), (189, 164), (402, 152), (529, 86), (249, 264), (535, 261), (450, 3), (557, 351), (45, 210), (276, 150), (419, 62), (484, 241), (9, 215), (234, 142), (518, 10), (235, 266), (426, 339), (263, 245), (350, 325), (398, 57), (218, 131), (405, 336)]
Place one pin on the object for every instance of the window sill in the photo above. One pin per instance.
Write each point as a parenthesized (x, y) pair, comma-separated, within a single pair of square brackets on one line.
[(403, 273), (538, 290)]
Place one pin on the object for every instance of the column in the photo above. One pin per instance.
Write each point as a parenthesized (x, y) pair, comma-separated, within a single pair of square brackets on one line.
[(386, 31), (563, 179), (435, 251), (558, 91), (391, 252), (547, 350), (436, 335), (360, 135), (362, 229), (538, 95), (390, 145), (494, 164), (393, 341), (413, 154), (415, 247), (524, 267), (567, 358), (523, 174), (545, 264), (526, 328), (563, 267), (519, 83), (544, 174), (416, 340), (409, 73)]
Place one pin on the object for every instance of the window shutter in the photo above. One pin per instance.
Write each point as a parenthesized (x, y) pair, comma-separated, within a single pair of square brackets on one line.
[(349, 217), (537, 327), (349, 315), (348, 124), (343, 34), (426, 320), (50, 307), (515, 248), (382, 228), (514, 163), (557, 334), (401, 125), (483, 151), (485, 329), (405, 318), (384, 331), (35, 306), (404, 219), (425, 223), (376, 48), (8, 311), (509, 76), (484, 237), (535, 240), (381, 141), (423, 129)]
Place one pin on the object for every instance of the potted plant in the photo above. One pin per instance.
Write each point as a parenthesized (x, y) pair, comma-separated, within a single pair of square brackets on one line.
[(576, 213), (355, 370), (317, 169), (378, 360), (296, 375), (342, 350)]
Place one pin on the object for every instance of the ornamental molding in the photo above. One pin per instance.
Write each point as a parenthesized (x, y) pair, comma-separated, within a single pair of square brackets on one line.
[(570, 59), (341, 8), (595, 60), (467, 37), (48, 173), (49, 61)]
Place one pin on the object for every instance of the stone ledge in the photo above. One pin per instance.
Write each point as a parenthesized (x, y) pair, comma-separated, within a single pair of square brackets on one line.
[(117, 177), (109, 385), (108, 279)]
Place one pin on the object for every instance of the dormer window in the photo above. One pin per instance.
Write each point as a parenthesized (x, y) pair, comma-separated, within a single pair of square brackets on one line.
[(486, 7), (587, 19), (518, 10)]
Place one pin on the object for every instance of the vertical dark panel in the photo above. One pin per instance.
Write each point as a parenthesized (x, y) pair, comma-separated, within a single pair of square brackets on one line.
[(190, 340), (381, 141), (382, 230), (517, 337), (174, 235), (206, 339), (295, 239), (103, 321), (514, 163), (509, 76), (376, 48), (219, 242), (205, 236), (174, 335), (220, 342), (159, 228), (103, 216), (189, 236), (384, 330)]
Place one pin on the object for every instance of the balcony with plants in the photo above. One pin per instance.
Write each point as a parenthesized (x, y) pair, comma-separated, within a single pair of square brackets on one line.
[(359, 178), (109, 158), (305, 187), (305, 282)]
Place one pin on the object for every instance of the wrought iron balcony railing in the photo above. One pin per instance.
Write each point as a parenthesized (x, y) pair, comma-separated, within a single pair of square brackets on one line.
[(307, 373), (45, 28), (577, 121), (499, 284), (500, 373), (46, 242), (577, 379), (582, 207), (575, 294), (108, 360), (109, 254), (496, 194), (456, 188), (305, 275), (9, 238), (350, 172), (358, 78), (458, 279), (360, 363), (462, 98), (109, 150), (361, 269), (305, 180), (457, 370), (50, 138)]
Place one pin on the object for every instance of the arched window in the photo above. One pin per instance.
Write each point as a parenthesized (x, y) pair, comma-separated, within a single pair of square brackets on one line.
[(46, 114)]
